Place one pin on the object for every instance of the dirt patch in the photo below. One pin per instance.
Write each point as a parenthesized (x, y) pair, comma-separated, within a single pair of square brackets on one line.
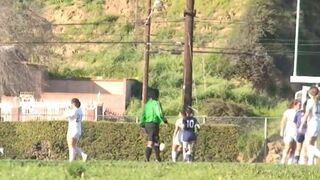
[(120, 7)]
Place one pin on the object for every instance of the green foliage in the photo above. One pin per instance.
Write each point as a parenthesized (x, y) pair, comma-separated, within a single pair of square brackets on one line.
[(94, 6), (59, 2), (112, 141), (250, 145), (76, 170), (110, 170)]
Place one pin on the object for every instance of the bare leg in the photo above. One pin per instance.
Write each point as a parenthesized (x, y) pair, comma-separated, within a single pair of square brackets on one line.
[(285, 153), (81, 152), (174, 152), (312, 150), (72, 151), (292, 151), (184, 150)]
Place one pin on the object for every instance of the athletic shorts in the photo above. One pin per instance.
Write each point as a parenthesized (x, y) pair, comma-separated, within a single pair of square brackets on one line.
[(300, 137), (289, 138), (177, 140), (189, 136), (313, 129), (152, 130), (75, 135)]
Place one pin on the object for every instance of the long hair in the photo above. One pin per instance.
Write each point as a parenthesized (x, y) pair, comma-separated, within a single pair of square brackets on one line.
[(76, 102), (294, 103)]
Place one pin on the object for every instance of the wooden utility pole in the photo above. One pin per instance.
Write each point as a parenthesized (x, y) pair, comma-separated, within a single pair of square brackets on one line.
[(189, 14), (146, 52)]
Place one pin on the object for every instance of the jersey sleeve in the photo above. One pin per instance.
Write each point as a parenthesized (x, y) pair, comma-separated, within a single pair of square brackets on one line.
[(285, 114), (142, 118), (296, 118), (158, 111)]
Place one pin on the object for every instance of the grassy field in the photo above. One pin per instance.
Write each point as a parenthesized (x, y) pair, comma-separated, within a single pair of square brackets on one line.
[(140, 170)]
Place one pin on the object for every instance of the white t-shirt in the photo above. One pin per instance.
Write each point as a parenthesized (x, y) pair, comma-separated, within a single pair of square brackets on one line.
[(290, 126), (74, 118), (314, 108)]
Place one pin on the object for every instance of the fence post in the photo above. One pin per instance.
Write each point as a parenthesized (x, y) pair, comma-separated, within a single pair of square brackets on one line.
[(204, 119), (265, 137)]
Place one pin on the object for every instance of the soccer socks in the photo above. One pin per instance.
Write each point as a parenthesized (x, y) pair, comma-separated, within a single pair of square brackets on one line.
[(296, 159), (174, 156), (290, 160), (71, 154), (148, 153), (157, 152), (312, 152), (316, 151), (83, 155), (284, 157)]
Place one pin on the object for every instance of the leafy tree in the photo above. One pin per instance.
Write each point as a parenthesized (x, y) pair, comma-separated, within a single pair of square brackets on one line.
[(22, 30)]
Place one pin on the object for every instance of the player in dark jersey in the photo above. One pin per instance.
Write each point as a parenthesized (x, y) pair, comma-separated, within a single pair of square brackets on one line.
[(190, 128), (300, 134)]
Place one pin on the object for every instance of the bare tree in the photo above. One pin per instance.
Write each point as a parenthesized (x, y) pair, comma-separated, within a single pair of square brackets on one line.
[(22, 34)]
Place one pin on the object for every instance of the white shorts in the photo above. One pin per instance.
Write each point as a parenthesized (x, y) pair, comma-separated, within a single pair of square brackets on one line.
[(289, 138), (313, 129), (75, 135), (177, 140)]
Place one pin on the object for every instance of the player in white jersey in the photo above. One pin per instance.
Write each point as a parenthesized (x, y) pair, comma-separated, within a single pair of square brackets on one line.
[(74, 116), (312, 117), (177, 138), (288, 131)]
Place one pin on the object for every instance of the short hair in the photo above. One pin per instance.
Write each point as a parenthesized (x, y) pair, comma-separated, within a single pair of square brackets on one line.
[(76, 102), (154, 94), (313, 91)]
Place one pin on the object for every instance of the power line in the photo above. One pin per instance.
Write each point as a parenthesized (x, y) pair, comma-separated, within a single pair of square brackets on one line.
[(81, 42)]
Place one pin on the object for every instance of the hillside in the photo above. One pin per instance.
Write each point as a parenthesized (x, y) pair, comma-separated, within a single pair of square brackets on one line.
[(246, 49)]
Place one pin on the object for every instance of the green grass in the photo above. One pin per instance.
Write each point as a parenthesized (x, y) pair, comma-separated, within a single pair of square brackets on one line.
[(141, 170)]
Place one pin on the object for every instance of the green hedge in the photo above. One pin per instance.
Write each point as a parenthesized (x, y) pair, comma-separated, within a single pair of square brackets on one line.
[(109, 141)]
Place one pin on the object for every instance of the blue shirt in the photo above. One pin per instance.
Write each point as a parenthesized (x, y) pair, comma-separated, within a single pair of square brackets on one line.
[(297, 121)]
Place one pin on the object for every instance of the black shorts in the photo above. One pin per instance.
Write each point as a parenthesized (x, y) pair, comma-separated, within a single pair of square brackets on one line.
[(300, 137), (152, 130)]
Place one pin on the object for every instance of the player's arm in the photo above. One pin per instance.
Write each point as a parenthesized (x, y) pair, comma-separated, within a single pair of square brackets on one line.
[(142, 118), (71, 114), (197, 125), (306, 115), (159, 113), (304, 119), (283, 124)]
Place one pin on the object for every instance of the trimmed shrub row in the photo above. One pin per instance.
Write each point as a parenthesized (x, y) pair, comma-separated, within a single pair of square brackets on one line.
[(109, 141)]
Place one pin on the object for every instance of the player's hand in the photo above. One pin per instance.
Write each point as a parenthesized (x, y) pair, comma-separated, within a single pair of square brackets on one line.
[(281, 134)]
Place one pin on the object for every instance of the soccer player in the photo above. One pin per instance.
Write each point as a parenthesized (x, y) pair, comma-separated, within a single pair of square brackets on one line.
[(288, 130), (74, 130), (190, 128), (312, 117), (150, 120), (177, 138), (300, 134)]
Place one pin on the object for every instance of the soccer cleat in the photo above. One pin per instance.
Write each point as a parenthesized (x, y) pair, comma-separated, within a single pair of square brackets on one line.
[(84, 157)]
